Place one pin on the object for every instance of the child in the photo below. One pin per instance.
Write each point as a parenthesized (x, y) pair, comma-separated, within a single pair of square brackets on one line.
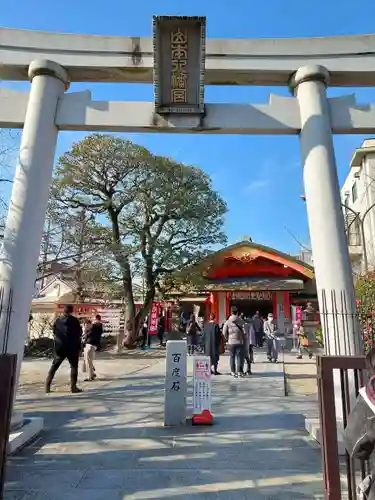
[(303, 341)]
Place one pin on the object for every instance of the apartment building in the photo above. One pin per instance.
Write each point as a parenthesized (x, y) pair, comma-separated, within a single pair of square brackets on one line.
[(358, 202)]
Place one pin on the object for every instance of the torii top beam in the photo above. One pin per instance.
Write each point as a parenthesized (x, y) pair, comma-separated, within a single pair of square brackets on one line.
[(349, 59)]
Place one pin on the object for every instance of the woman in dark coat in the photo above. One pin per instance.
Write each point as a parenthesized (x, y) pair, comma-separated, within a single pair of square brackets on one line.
[(212, 340), (359, 434), (192, 329)]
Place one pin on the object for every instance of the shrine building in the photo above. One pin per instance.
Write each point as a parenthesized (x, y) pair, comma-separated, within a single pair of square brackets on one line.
[(254, 278)]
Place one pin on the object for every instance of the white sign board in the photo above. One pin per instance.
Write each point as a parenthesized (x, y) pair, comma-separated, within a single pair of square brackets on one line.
[(201, 384), (111, 319)]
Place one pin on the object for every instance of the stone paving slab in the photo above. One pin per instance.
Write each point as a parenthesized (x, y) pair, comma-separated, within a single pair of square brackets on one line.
[(300, 375), (109, 442), (109, 365)]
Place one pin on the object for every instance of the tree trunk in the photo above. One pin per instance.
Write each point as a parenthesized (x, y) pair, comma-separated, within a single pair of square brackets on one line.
[(130, 328), (142, 313), (79, 295)]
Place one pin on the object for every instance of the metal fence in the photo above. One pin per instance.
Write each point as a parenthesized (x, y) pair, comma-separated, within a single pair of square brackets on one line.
[(342, 321), (341, 474)]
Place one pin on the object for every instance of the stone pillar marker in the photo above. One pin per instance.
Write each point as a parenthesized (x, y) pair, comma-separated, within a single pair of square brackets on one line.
[(27, 208), (175, 383), (332, 265)]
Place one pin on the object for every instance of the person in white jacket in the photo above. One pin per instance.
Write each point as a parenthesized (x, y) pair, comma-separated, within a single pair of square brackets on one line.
[(234, 335)]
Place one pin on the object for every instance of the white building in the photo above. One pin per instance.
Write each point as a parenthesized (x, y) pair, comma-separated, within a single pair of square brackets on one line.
[(306, 256), (59, 292), (358, 199)]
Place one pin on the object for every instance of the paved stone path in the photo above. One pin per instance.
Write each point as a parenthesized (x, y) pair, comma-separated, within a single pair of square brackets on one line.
[(109, 442), (300, 375)]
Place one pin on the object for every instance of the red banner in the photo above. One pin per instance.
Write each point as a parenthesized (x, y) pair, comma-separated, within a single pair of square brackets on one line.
[(299, 313), (168, 322), (154, 318)]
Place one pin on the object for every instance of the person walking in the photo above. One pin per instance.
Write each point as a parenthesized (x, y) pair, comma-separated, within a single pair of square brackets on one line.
[(184, 320), (235, 336), (271, 331), (258, 328), (146, 338), (192, 329), (92, 338), (86, 325), (212, 341), (161, 329), (249, 344), (67, 334), (302, 342)]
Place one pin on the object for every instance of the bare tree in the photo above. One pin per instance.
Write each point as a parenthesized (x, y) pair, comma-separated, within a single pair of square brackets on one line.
[(9, 147)]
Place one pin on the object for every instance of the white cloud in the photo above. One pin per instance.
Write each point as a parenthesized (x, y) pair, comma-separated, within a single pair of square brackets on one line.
[(257, 184)]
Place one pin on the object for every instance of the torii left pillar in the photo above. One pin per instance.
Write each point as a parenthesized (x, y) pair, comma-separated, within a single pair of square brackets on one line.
[(28, 204)]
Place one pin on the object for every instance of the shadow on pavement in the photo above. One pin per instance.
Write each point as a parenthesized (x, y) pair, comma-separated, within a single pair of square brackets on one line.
[(109, 443)]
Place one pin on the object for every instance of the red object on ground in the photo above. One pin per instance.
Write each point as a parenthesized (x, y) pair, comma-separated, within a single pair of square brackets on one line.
[(204, 418)]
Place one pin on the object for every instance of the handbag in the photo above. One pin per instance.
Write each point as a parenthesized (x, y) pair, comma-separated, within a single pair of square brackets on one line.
[(304, 341)]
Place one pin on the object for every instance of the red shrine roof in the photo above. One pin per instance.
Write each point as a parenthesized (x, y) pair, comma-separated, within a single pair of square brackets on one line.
[(248, 265)]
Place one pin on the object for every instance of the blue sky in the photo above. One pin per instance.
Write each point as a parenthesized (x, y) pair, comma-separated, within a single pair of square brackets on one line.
[(260, 177)]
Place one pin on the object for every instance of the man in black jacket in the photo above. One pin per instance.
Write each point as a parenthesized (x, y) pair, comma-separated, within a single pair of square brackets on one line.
[(67, 333), (161, 329)]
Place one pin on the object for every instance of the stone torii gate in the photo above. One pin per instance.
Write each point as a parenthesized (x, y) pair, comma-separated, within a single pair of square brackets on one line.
[(51, 61)]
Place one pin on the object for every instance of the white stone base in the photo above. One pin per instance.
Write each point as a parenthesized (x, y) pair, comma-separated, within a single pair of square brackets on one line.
[(312, 425), (22, 436), (16, 421)]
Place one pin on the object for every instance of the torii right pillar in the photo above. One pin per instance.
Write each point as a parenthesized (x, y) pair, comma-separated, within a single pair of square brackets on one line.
[(333, 271)]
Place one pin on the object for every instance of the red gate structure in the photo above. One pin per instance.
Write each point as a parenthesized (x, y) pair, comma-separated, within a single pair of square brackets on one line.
[(341, 474)]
